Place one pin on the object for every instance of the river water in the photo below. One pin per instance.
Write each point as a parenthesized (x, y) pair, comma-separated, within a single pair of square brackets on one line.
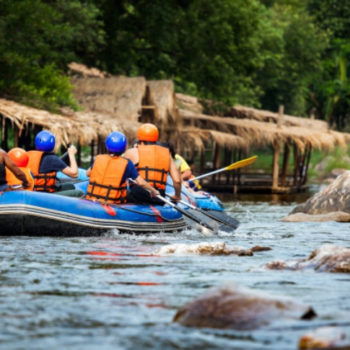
[(122, 291)]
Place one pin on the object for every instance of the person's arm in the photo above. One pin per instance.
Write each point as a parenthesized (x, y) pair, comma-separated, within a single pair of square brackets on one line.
[(71, 170), (186, 175), (88, 172), (15, 170), (175, 175), (144, 184)]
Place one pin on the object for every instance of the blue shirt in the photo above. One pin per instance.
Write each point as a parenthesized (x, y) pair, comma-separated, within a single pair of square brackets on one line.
[(50, 162), (130, 171)]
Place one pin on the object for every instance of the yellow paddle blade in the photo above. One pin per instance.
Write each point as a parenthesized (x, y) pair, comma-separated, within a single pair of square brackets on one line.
[(242, 163)]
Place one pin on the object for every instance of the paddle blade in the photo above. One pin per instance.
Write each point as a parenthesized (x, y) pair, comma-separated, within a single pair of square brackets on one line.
[(242, 163)]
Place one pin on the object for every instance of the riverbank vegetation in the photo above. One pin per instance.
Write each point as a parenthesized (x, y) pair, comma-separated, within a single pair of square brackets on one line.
[(259, 53)]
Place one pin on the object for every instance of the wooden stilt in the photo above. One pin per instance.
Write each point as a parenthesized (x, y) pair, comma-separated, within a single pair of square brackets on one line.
[(285, 164), (275, 167)]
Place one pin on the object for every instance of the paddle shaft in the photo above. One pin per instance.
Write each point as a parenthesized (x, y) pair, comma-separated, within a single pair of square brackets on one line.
[(207, 214), (240, 164), (183, 212)]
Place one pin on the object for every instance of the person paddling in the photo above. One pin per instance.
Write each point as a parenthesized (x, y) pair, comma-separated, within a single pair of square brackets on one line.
[(44, 165), (6, 162), (110, 172), (20, 157), (153, 163)]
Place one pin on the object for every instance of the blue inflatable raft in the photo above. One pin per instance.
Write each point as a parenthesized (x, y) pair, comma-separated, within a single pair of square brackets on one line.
[(45, 214)]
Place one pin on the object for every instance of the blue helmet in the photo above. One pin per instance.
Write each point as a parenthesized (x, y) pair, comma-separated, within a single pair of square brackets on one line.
[(116, 142), (45, 141)]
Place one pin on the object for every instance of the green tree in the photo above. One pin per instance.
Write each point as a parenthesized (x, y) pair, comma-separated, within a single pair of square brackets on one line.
[(37, 40), (209, 47), (331, 96), (294, 59)]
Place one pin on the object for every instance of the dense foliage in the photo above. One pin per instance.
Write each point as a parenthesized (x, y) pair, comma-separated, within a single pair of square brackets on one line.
[(260, 53)]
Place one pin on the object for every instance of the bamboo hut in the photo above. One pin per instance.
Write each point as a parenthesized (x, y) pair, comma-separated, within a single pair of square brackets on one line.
[(286, 134)]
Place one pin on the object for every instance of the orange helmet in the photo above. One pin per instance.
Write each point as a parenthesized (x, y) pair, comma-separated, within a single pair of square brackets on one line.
[(19, 156), (148, 132)]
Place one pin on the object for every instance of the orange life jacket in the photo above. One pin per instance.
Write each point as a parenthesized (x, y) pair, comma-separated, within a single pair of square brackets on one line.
[(43, 182), (13, 181), (106, 180), (154, 164)]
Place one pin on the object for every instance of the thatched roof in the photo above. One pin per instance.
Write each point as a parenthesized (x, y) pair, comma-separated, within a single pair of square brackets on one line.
[(190, 103), (65, 129), (258, 133), (104, 124), (270, 117), (161, 94), (117, 97), (196, 138), (82, 70)]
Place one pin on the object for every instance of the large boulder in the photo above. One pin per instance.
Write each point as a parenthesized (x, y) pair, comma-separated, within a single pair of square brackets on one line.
[(327, 258), (234, 307), (334, 198)]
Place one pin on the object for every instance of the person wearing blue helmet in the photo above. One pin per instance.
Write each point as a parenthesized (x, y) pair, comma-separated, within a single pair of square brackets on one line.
[(44, 164), (110, 172)]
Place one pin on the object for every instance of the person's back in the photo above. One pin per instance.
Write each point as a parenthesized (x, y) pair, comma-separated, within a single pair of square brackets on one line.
[(44, 164), (110, 173), (153, 163)]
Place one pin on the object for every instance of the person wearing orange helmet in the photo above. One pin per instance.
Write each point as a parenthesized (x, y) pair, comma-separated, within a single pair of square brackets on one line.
[(154, 163), (7, 164), (20, 157)]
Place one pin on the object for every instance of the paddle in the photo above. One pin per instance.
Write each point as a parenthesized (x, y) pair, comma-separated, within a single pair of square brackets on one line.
[(204, 226), (209, 215), (240, 164)]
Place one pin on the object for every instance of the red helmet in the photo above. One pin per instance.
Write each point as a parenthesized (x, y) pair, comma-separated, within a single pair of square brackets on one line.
[(19, 156), (148, 132)]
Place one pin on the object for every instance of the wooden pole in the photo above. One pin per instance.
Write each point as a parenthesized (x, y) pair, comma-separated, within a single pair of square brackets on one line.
[(280, 116), (285, 164), (275, 167), (307, 163), (296, 164)]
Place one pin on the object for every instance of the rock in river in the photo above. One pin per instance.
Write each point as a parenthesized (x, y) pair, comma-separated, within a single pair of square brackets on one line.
[(327, 258), (330, 204), (234, 307)]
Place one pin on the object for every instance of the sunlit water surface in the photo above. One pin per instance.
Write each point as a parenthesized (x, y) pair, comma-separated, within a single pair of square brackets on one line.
[(116, 292)]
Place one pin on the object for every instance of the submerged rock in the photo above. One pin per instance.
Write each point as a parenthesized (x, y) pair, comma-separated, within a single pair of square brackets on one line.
[(334, 198), (234, 307), (339, 216), (324, 338), (327, 258)]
